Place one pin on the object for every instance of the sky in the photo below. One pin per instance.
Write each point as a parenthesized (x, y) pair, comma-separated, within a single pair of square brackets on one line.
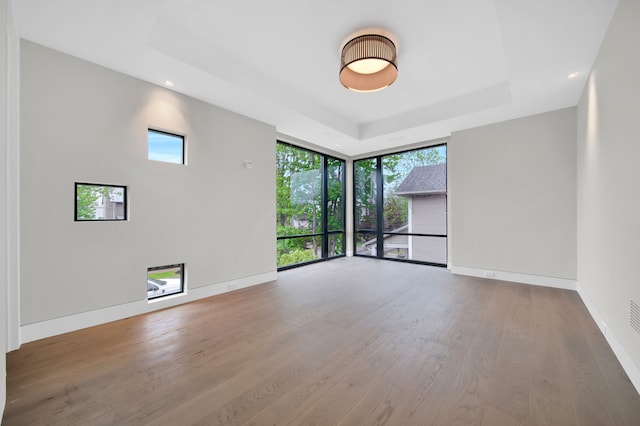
[(165, 147)]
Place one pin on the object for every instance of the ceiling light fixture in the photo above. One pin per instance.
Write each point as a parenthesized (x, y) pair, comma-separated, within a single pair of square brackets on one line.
[(368, 62), (169, 83)]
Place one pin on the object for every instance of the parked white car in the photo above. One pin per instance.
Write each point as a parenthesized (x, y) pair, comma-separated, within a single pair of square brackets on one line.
[(156, 288)]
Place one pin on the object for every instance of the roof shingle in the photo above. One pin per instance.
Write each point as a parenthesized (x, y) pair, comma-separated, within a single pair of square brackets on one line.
[(424, 180)]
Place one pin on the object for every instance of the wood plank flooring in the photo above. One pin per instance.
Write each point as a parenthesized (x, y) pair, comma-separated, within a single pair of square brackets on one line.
[(352, 341)]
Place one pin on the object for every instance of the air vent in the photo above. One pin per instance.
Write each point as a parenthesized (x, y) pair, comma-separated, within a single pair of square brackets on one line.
[(635, 316)]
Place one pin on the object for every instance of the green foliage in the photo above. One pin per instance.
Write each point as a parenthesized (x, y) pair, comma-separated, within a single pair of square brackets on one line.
[(365, 193), (86, 197), (336, 244), (290, 244), (299, 201), (297, 190), (396, 212), (296, 256), (335, 178), (161, 275)]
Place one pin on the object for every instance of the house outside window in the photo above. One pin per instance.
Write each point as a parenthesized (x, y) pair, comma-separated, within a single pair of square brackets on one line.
[(400, 206)]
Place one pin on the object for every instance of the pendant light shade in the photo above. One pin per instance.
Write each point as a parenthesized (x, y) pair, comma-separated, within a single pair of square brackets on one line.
[(368, 63)]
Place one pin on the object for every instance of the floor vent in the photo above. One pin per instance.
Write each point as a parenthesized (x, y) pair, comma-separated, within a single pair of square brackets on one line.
[(635, 316)]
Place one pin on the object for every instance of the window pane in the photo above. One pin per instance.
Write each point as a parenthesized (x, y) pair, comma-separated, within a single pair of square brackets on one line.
[(165, 280), (100, 202), (396, 246), (366, 244), (298, 187), (412, 247), (428, 214), (298, 250), (165, 147), (407, 176), (336, 245), (412, 201), (335, 196), (365, 194), (304, 217)]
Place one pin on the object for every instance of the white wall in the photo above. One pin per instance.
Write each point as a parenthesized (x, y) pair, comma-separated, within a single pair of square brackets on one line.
[(512, 189), (82, 122), (350, 249), (3, 205), (609, 183), (13, 182)]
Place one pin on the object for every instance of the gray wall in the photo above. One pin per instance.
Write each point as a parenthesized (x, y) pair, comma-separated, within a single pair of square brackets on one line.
[(82, 122), (512, 189), (609, 178)]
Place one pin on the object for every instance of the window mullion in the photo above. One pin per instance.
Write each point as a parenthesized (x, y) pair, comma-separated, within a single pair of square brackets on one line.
[(379, 209), (323, 208)]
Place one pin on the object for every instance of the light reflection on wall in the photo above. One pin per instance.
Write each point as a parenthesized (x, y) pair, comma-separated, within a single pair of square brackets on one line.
[(592, 114), (166, 111)]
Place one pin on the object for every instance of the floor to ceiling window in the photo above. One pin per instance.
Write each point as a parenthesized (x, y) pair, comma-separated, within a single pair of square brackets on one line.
[(309, 206), (400, 206)]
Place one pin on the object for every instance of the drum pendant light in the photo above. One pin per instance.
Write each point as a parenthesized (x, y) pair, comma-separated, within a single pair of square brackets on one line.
[(368, 63)]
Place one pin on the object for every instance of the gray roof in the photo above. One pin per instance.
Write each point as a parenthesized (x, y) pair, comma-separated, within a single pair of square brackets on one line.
[(424, 180)]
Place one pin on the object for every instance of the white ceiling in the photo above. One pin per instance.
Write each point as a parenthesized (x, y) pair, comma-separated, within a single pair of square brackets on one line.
[(462, 63)]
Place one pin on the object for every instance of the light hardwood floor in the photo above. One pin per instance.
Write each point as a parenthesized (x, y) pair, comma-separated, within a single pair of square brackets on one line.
[(352, 341)]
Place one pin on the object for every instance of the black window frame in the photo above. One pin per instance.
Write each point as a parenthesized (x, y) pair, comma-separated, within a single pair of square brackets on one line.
[(324, 219), (177, 135), (379, 232), (125, 202)]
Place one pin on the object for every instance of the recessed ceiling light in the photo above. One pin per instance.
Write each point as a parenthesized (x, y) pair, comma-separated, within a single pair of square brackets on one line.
[(169, 83), (573, 75), (337, 144)]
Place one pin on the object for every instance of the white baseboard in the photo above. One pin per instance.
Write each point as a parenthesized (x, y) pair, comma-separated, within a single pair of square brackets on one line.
[(53, 327), (562, 283), (623, 357)]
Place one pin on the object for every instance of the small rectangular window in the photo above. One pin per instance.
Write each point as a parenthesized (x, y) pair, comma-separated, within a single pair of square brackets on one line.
[(166, 147), (98, 202), (165, 280)]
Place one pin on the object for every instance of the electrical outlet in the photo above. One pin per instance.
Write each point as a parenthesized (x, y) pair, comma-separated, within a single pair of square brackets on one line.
[(232, 285), (489, 274)]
